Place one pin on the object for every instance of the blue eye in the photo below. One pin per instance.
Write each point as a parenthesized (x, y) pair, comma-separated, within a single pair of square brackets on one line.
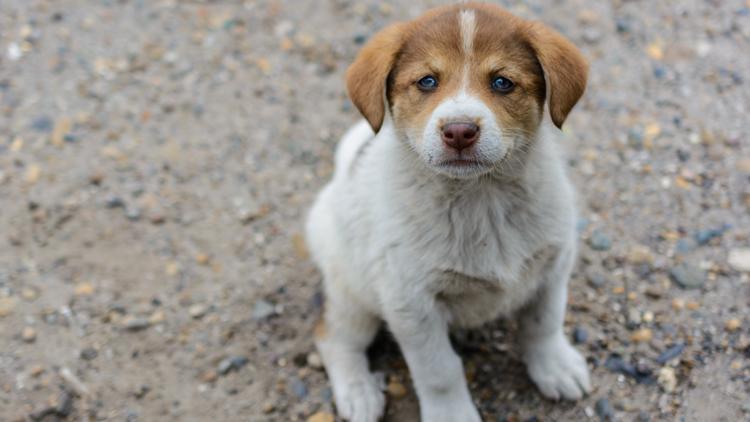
[(502, 85), (428, 83)]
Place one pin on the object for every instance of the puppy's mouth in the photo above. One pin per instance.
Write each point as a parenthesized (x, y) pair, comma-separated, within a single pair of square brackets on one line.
[(463, 167), (463, 162)]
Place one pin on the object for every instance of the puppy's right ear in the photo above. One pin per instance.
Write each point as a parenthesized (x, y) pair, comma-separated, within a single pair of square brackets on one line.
[(367, 76)]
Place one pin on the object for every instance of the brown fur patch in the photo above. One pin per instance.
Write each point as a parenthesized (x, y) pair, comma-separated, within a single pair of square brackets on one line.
[(504, 45), (566, 69), (365, 78)]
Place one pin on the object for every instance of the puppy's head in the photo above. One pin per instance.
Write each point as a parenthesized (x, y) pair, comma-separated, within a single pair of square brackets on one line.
[(466, 85)]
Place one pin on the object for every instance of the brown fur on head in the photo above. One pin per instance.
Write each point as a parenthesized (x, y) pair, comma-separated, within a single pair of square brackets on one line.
[(525, 51)]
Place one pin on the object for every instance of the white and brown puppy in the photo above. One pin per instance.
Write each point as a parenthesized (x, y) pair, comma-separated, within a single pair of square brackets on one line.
[(450, 207)]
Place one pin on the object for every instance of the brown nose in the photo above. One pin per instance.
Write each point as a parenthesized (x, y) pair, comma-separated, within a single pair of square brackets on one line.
[(460, 136)]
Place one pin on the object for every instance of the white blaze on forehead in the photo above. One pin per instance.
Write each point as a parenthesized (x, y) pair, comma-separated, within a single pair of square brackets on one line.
[(468, 24)]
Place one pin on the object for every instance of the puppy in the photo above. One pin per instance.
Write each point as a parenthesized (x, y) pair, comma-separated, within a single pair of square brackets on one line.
[(450, 207)]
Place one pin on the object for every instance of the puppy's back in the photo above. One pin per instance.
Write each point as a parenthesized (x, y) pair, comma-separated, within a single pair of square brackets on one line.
[(351, 144)]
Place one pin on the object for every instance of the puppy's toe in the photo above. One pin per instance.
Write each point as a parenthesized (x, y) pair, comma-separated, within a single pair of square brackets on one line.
[(360, 402), (561, 373)]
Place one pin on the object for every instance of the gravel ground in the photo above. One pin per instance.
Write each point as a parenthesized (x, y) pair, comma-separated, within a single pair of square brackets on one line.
[(157, 159)]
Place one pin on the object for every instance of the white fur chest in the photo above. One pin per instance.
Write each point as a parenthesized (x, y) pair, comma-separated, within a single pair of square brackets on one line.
[(480, 261)]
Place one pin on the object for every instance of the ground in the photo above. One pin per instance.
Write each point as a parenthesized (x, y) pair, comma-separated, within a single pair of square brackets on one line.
[(157, 159)]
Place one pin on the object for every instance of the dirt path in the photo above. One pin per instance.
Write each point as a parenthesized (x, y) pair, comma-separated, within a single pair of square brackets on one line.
[(157, 159)]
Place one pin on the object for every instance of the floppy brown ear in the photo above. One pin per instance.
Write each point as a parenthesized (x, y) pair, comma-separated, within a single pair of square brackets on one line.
[(366, 77), (565, 68)]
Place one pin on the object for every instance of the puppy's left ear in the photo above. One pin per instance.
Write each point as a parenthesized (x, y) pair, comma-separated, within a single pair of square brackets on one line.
[(565, 68), (366, 77)]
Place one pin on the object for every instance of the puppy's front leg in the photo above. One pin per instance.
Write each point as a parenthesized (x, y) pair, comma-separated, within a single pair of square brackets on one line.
[(554, 365), (437, 371)]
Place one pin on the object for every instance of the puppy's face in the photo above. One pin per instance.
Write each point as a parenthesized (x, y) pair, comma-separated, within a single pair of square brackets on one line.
[(465, 85)]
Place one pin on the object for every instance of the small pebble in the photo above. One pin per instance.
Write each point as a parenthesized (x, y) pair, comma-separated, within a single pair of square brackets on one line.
[(262, 310), (29, 294), (298, 387), (36, 370), (209, 376), (133, 213), (670, 353), (732, 325), (739, 259), (28, 335), (595, 278), (198, 310), (580, 335), (592, 35), (703, 237), (634, 317), (667, 379), (684, 246), (688, 276), (157, 317), (321, 417), (268, 407), (641, 374), (623, 25), (132, 323), (654, 292), (678, 304), (42, 124), (84, 289), (156, 218), (640, 254), (641, 336), (599, 241), (113, 201), (232, 363), (314, 361), (396, 389), (604, 410), (89, 353)]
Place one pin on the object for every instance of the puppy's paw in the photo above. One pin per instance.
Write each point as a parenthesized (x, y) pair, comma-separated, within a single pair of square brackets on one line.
[(558, 370), (360, 401), (449, 410)]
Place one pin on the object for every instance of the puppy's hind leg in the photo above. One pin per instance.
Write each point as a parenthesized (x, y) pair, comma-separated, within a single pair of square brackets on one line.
[(342, 338)]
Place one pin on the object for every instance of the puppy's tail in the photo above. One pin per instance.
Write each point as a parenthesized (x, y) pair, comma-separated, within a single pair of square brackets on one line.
[(350, 145)]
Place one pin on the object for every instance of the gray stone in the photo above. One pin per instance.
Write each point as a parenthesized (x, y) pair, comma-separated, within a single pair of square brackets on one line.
[(739, 259), (298, 387), (688, 276), (114, 201), (135, 324), (232, 363), (604, 410), (133, 213), (599, 241), (580, 335), (262, 310), (595, 278), (89, 353), (42, 124)]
